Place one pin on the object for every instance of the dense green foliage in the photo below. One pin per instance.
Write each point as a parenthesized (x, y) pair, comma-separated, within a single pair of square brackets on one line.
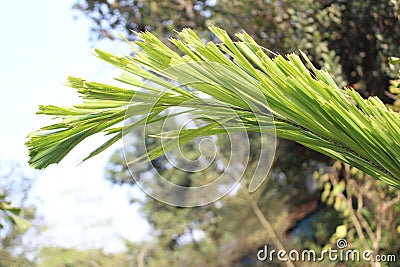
[(357, 36)]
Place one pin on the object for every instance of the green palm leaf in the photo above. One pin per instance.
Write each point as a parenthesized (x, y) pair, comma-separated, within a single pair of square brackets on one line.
[(306, 104)]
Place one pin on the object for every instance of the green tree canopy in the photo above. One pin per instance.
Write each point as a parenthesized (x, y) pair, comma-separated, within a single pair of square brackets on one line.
[(358, 36)]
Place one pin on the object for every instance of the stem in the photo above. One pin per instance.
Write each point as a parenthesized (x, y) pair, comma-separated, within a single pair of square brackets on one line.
[(270, 230), (142, 254)]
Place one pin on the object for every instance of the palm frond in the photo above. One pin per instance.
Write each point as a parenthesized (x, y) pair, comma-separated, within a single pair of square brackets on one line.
[(239, 76)]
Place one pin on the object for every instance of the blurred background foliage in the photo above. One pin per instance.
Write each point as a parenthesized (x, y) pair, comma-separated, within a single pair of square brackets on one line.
[(352, 39), (309, 201), (16, 217)]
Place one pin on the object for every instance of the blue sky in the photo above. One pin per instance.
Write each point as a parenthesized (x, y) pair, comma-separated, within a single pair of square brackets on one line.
[(41, 45)]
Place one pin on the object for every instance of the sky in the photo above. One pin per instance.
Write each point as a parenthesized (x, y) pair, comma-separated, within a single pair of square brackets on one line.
[(41, 45)]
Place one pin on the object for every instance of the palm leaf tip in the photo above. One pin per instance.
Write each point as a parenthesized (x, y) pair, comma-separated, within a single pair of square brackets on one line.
[(308, 107)]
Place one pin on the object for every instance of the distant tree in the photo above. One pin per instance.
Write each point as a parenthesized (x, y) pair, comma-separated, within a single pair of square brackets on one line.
[(228, 233), (16, 214)]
